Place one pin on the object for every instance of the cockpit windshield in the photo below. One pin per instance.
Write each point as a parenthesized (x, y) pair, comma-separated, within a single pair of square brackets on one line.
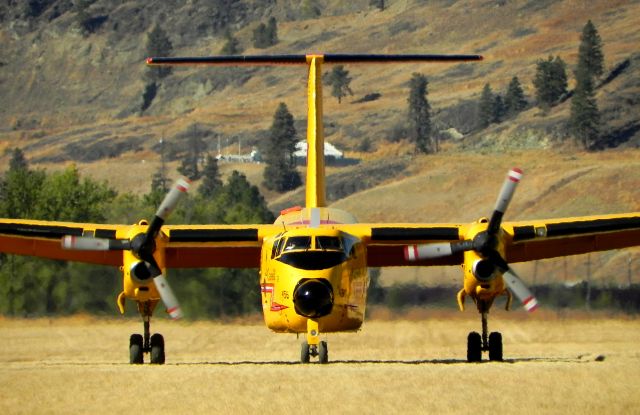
[(295, 243), (332, 243), (311, 252)]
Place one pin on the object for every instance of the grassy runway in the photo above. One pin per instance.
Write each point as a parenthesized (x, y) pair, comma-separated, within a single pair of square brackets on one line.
[(571, 364)]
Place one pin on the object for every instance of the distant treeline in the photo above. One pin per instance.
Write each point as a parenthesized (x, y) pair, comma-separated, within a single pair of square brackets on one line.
[(551, 296)]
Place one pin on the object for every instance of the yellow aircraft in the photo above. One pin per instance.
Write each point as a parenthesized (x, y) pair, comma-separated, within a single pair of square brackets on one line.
[(313, 260)]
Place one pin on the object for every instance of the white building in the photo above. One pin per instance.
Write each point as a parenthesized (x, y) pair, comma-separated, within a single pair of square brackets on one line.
[(330, 151)]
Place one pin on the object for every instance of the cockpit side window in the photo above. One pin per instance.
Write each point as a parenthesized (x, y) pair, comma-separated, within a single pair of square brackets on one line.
[(331, 243), (297, 242), (274, 250)]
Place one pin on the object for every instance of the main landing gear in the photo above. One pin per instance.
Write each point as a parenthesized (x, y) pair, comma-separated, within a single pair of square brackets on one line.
[(312, 346), (147, 343), (476, 343)]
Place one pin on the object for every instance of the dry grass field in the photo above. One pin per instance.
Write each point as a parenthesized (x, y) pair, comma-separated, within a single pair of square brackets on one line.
[(553, 364)]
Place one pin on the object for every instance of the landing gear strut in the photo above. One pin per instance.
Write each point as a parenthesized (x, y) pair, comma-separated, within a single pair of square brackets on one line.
[(312, 346), (147, 343), (476, 343)]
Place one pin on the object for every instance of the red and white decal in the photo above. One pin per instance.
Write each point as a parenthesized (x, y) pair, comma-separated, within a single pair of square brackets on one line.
[(277, 307), (530, 304), (411, 252), (268, 288), (515, 175)]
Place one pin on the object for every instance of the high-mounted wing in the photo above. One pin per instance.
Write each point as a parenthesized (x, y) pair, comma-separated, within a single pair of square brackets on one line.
[(524, 241), (226, 246), (43, 239), (188, 246), (541, 239), (386, 242)]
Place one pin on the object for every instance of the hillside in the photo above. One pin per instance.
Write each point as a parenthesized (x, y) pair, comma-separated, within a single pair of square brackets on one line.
[(69, 97), (73, 97)]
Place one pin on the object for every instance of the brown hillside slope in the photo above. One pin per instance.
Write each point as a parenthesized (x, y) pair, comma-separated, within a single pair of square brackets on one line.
[(66, 97), (59, 88)]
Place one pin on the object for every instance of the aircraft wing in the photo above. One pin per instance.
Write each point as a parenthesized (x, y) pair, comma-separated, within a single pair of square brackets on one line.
[(43, 239), (539, 239), (386, 242), (226, 246), (188, 246), (524, 241)]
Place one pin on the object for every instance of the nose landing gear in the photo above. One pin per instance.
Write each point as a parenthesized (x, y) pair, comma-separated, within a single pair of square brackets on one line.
[(312, 346)]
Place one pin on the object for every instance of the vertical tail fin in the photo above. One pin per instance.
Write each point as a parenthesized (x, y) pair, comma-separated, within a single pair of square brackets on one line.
[(315, 186)]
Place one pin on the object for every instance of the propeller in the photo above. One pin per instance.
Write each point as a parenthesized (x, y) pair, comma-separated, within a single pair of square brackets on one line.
[(142, 246), (485, 244)]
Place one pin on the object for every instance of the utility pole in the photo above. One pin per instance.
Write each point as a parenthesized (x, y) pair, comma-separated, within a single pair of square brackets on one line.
[(588, 297), (163, 166), (629, 269)]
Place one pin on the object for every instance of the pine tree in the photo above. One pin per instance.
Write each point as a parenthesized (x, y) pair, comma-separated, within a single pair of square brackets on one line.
[(280, 174), (21, 188), (272, 31), (585, 118), (550, 81), (158, 44), (18, 161), (189, 166), (486, 107), (498, 109), (231, 46), (514, 100), (590, 56), (211, 182), (339, 79), (419, 116), (265, 36)]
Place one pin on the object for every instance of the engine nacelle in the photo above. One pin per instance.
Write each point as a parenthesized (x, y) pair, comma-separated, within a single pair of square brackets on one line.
[(313, 298), (483, 270), (140, 272)]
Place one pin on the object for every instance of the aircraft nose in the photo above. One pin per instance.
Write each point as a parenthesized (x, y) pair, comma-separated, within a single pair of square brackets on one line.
[(313, 298)]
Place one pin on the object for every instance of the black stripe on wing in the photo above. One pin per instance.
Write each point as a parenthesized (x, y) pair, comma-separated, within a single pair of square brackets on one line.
[(51, 231), (411, 234), (592, 226), (214, 235)]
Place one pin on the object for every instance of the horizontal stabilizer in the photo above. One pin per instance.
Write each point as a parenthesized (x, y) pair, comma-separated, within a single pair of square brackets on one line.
[(304, 59)]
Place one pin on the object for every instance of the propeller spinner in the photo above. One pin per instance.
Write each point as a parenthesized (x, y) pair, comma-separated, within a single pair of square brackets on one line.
[(142, 246), (485, 244)]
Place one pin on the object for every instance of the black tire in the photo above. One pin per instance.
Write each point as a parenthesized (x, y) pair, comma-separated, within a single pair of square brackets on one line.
[(474, 347), (135, 349), (304, 352), (157, 349), (323, 353), (495, 347)]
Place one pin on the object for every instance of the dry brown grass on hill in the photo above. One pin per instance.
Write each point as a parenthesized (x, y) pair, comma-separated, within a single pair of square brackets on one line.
[(553, 365)]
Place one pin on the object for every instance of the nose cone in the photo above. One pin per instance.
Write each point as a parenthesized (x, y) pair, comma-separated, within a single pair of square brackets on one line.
[(313, 298)]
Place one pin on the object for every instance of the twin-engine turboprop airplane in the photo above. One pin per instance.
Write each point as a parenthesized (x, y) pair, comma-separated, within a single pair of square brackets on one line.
[(313, 260)]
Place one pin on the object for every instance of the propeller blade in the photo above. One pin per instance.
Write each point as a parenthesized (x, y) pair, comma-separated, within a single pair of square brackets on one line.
[(435, 250), (84, 243), (167, 206), (427, 251), (168, 297), (520, 290), (504, 198)]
